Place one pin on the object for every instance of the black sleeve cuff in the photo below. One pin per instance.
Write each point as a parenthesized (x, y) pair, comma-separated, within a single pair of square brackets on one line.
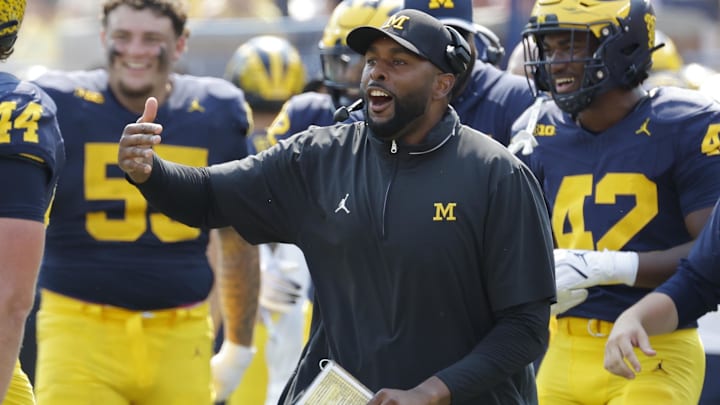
[(503, 356), (180, 192), (691, 300)]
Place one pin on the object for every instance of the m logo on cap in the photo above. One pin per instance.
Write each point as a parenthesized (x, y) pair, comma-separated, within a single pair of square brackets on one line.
[(397, 22), (433, 4)]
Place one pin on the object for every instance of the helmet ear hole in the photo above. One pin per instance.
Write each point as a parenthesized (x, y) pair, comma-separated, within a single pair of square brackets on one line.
[(629, 50)]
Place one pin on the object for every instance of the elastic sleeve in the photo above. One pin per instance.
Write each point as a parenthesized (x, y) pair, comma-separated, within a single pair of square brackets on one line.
[(695, 287), (517, 252), (695, 188), (29, 184), (692, 295), (518, 272), (182, 193), (518, 337)]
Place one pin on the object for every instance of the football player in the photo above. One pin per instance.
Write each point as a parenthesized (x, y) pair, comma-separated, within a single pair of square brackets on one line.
[(668, 69), (621, 221), (709, 324), (31, 158), (269, 70), (124, 314)]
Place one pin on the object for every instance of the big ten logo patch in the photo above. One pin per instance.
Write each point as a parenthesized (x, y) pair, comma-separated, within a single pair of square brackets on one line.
[(544, 130)]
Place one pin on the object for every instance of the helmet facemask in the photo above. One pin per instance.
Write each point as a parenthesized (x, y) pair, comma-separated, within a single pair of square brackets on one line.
[(618, 53), (594, 74), (341, 66), (342, 69), (11, 16)]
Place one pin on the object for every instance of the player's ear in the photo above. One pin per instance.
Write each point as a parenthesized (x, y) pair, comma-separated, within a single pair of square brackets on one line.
[(103, 38), (181, 45), (444, 83)]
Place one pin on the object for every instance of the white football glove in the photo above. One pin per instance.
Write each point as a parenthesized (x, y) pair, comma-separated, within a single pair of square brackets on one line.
[(285, 278), (567, 299), (279, 292), (587, 268), (524, 141), (228, 367)]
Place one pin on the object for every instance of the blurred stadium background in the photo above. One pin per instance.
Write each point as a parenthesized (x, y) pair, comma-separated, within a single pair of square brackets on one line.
[(63, 34)]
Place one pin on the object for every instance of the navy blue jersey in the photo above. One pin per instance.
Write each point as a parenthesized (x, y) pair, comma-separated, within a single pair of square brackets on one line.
[(631, 186), (492, 101), (29, 132), (105, 243), (695, 288), (299, 113)]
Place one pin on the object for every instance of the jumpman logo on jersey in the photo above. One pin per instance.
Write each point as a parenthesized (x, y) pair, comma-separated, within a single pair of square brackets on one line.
[(659, 367), (341, 204), (643, 128), (195, 106)]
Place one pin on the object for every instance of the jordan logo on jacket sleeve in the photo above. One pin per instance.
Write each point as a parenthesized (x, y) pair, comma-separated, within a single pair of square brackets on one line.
[(342, 206)]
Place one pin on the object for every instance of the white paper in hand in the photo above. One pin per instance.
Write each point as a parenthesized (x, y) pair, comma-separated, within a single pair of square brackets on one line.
[(335, 386)]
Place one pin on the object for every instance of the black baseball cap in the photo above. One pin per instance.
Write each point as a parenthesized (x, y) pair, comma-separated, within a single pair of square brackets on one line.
[(458, 13), (418, 32)]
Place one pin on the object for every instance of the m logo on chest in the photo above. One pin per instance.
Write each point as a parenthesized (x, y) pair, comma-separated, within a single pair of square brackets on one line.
[(444, 212)]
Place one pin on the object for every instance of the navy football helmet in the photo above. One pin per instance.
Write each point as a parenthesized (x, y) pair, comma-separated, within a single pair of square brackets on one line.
[(341, 66), (624, 31), (269, 69)]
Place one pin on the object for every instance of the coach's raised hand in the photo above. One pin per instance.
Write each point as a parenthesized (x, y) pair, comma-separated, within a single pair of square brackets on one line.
[(135, 155)]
